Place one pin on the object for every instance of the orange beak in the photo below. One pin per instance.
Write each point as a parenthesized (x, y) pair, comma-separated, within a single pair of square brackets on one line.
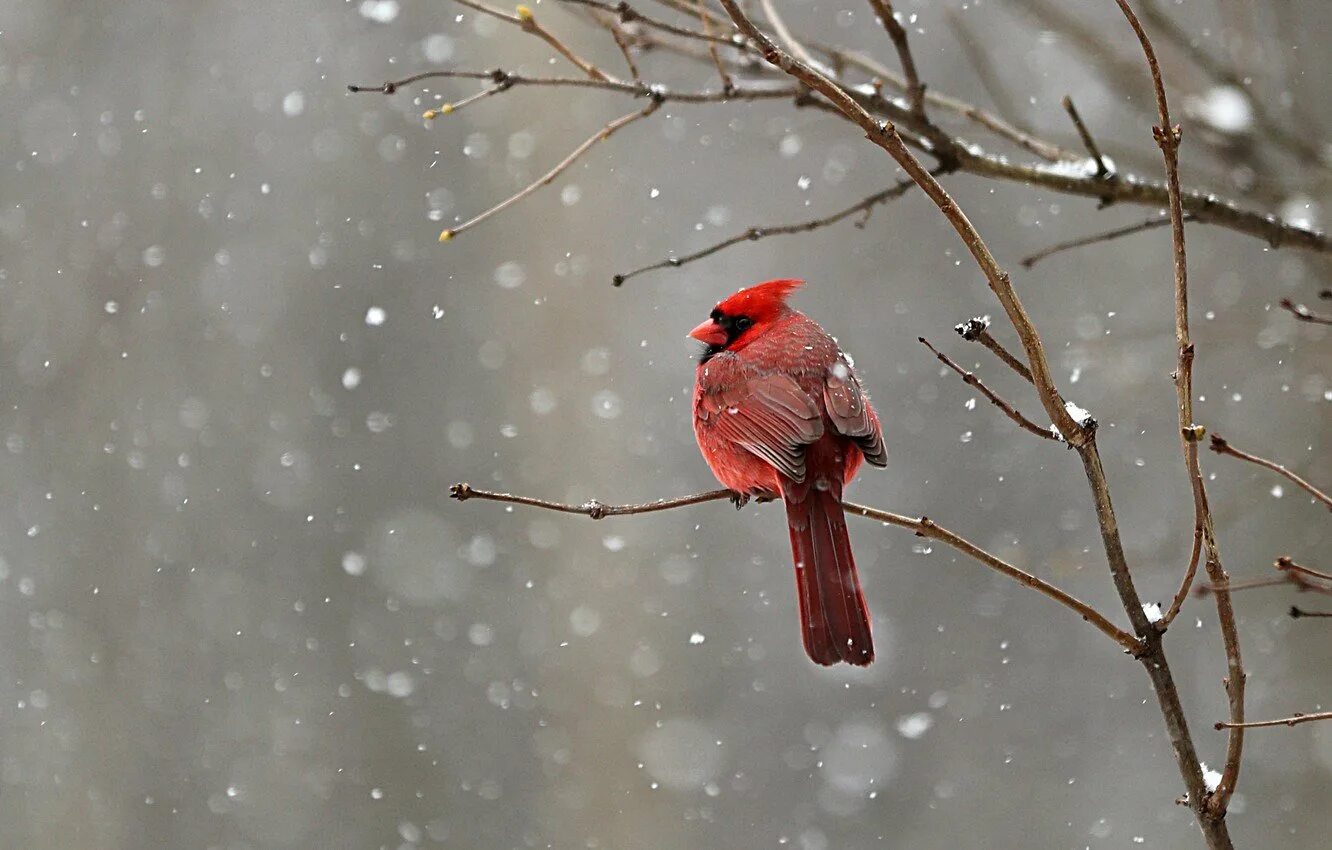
[(709, 333)]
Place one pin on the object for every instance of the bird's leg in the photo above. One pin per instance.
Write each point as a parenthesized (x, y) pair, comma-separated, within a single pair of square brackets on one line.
[(741, 499)]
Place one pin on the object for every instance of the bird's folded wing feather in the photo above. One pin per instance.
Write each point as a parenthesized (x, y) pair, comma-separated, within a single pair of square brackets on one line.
[(769, 416), (851, 414)]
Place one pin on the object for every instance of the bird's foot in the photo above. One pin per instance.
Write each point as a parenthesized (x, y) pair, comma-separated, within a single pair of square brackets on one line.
[(739, 499)]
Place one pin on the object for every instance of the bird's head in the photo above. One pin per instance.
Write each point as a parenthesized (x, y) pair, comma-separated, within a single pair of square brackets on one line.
[(742, 317)]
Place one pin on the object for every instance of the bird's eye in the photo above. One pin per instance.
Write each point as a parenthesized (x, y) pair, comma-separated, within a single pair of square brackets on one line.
[(744, 323)]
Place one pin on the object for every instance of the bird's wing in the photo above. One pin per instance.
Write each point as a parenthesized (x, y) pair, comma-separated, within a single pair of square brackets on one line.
[(851, 413), (769, 416)]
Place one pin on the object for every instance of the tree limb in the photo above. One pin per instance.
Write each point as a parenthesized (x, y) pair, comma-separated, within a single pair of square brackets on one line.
[(922, 526), (1222, 446)]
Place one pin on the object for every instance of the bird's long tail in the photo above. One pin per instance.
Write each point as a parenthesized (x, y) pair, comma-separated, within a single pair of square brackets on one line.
[(833, 617)]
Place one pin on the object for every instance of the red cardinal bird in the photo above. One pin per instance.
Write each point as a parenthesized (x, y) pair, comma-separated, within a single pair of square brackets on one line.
[(779, 411)]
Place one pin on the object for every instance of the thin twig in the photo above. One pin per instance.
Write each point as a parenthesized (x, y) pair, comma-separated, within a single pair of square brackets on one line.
[(592, 508), (1222, 446), (915, 90), (1009, 410), (1293, 720), (977, 330), (1245, 584), (449, 108), (600, 136), (1297, 612), (623, 43), (1304, 314), (1289, 578), (1105, 236), (527, 22), (784, 33), (1168, 135), (922, 526), (1285, 564), (705, 19), (635, 89), (1103, 170), (627, 14), (754, 234)]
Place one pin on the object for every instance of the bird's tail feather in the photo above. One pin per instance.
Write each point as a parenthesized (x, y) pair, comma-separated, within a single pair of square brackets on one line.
[(833, 617)]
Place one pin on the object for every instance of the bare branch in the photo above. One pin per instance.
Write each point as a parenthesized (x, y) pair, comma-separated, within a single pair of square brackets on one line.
[(915, 90), (1106, 236), (1168, 137), (1205, 207), (1047, 151), (622, 42), (780, 28), (527, 22), (450, 108), (635, 89), (1285, 564), (885, 135), (1293, 720), (545, 179), (705, 19), (1222, 446), (1292, 575), (977, 330), (1304, 314), (922, 526), (754, 234), (1103, 170), (1296, 613), (1008, 409), (627, 14), (592, 508)]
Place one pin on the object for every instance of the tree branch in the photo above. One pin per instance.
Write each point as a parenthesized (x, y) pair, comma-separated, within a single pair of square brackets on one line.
[(1061, 175), (1106, 236), (526, 21), (1103, 171), (1168, 137), (1293, 720), (922, 526), (1222, 446), (754, 234), (915, 90), (1285, 564), (635, 89), (545, 179), (1008, 409), (1304, 314), (1296, 613), (977, 330)]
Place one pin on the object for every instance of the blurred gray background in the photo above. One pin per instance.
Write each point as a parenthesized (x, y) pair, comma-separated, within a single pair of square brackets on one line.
[(238, 610)]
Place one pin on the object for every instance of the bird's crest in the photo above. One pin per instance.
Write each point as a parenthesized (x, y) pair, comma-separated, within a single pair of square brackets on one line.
[(762, 300)]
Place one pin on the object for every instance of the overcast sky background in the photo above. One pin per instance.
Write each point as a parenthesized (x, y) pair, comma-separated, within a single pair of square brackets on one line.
[(238, 610)]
